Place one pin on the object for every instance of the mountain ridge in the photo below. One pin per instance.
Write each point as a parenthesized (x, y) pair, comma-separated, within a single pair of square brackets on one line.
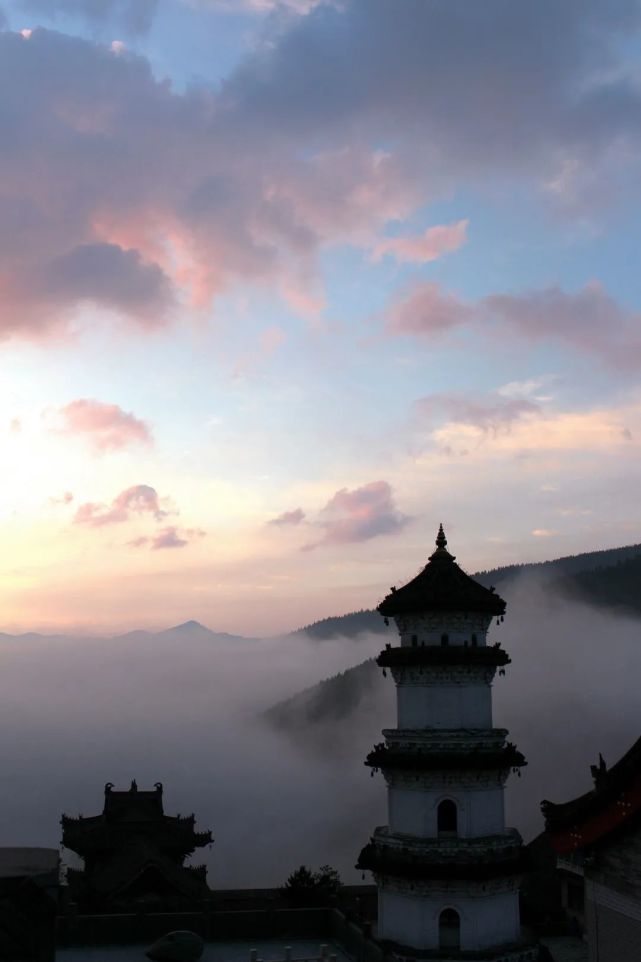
[(615, 587), (353, 623)]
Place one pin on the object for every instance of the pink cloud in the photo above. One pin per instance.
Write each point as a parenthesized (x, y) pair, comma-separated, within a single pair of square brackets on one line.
[(427, 311), (65, 498), (360, 514), (589, 321), (169, 537), (128, 223), (288, 518), (107, 426), (138, 542), (124, 193), (138, 500), (491, 414), (429, 246)]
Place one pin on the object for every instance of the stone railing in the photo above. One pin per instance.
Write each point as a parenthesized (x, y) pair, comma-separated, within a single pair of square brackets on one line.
[(324, 955), (446, 739)]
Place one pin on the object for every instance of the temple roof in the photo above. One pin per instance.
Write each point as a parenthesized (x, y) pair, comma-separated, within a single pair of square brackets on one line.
[(614, 801), (131, 814), (441, 586), (133, 805)]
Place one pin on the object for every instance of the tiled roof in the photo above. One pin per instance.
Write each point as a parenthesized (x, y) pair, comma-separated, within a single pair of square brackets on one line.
[(614, 800), (441, 586)]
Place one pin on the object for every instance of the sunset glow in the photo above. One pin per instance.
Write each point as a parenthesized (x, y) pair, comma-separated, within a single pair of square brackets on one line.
[(286, 283)]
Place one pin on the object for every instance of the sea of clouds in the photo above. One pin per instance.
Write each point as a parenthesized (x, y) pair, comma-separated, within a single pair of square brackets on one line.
[(184, 708)]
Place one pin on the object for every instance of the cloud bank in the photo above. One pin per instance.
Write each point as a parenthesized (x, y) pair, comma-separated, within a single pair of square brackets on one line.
[(589, 321), (122, 194), (75, 713), (490, 415)]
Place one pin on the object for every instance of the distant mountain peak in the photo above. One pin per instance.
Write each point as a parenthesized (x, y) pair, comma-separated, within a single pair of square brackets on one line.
[(196, 631), (189, 626)]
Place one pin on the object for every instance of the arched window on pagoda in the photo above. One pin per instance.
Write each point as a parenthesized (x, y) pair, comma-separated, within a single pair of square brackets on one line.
[(447, 818), (449, 929), (474, 641), (445, 639)]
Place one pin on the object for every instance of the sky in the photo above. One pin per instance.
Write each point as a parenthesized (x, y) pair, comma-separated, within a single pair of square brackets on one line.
[(286, 283)]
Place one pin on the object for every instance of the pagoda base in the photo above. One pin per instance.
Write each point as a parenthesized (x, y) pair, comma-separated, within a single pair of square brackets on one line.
[(409, 913), (524, 951)]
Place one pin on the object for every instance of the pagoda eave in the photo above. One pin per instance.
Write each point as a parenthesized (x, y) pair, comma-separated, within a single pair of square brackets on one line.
[(384, 758), (376, 859), (392, 606), (427, 655)]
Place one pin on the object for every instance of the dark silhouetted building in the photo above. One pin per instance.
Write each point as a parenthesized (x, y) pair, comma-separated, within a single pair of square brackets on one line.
[(29, 883), (134, 856), (597, 838)]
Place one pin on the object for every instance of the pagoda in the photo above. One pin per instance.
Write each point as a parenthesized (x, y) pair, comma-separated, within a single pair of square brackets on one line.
[(448, 870), (134, 855)]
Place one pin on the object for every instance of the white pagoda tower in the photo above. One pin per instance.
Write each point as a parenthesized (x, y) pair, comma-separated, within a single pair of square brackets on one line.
[(447, 868)]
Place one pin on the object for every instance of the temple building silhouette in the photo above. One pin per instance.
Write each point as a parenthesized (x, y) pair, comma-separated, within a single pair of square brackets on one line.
[(134, 855)]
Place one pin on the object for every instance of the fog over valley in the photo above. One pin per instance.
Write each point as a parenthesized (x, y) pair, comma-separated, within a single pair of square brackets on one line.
[(187, 707)]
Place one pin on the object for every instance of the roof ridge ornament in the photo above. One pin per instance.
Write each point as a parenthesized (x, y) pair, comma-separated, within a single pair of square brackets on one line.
[(441, 546)]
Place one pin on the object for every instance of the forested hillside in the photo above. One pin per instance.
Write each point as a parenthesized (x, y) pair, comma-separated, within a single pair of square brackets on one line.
[(611, 578), (607, 579), (335, 699), (559, 567), (617, 586), (349, 626)]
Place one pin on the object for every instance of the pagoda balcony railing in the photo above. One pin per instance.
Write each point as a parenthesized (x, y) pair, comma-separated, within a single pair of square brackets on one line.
[(435, 655), (453, 848), (409, 864), (445, 739), (422, 759)]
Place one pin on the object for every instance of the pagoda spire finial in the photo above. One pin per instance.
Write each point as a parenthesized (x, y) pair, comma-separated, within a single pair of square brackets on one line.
[(441, 553)]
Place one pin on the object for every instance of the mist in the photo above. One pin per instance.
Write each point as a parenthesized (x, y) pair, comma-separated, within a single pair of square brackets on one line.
[(185, 709), (571, 692)]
